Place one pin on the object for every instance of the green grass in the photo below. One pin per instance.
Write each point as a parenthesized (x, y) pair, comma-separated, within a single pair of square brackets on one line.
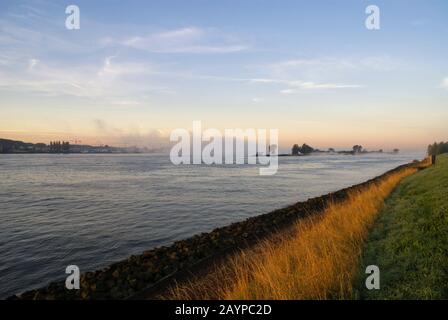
[(409, 241)]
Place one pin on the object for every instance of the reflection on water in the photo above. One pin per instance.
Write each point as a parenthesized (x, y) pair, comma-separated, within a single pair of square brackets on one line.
[(91, 210)]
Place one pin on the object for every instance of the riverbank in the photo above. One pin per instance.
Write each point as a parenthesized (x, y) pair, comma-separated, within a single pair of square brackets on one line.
[(144, 275), (316, 260), (409, 241)]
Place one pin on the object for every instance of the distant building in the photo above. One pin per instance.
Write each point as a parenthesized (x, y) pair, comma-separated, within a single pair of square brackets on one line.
[(40, 148)]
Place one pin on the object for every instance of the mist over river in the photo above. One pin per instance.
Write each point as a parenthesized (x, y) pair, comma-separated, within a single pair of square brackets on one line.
[(95, 209)]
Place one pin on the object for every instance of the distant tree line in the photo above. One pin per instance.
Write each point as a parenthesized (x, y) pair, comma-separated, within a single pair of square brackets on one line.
[(356, 149), (304, 149), (437, 148)]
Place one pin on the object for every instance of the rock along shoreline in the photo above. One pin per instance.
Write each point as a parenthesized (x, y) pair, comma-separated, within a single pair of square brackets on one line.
[(139, 276)]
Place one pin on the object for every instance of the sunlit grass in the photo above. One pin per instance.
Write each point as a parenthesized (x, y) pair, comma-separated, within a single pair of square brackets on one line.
[(318, 259)]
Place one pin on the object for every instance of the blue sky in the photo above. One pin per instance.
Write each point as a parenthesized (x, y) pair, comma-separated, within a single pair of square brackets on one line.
[(135, 71)]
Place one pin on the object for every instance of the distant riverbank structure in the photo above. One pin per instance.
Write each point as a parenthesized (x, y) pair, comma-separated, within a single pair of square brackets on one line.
[(62, 147), (59, 147)]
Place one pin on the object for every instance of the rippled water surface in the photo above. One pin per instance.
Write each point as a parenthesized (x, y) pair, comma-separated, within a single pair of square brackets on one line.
[(91, 210)]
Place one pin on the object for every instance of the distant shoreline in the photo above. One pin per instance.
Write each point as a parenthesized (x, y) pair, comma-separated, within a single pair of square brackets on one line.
[(64, 147), (335, 153)]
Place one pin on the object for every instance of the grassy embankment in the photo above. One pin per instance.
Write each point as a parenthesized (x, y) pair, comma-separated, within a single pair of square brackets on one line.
[(409, 240), (319, 259)]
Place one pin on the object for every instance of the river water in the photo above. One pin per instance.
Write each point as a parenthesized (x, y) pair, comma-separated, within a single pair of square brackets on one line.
[(92, 210)]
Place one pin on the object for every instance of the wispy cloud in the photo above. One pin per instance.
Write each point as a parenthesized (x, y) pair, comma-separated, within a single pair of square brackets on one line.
[(46, 61), (317, 86), (32, 63), (114, 69), (295, 86), (444, 83), (184, 40), (321, 73), (334, 63), (113, 82), (328, 67)]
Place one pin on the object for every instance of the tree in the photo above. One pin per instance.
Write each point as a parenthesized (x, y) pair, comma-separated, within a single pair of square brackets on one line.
[(357, 148), (437, 148), (295, 150), (429, 150), (306, 149)]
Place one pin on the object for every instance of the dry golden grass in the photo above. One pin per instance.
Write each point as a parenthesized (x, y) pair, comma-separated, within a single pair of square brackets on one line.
[(317, 260)]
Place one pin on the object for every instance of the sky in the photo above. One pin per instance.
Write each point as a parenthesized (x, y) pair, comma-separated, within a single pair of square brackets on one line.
[(136, 70)]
